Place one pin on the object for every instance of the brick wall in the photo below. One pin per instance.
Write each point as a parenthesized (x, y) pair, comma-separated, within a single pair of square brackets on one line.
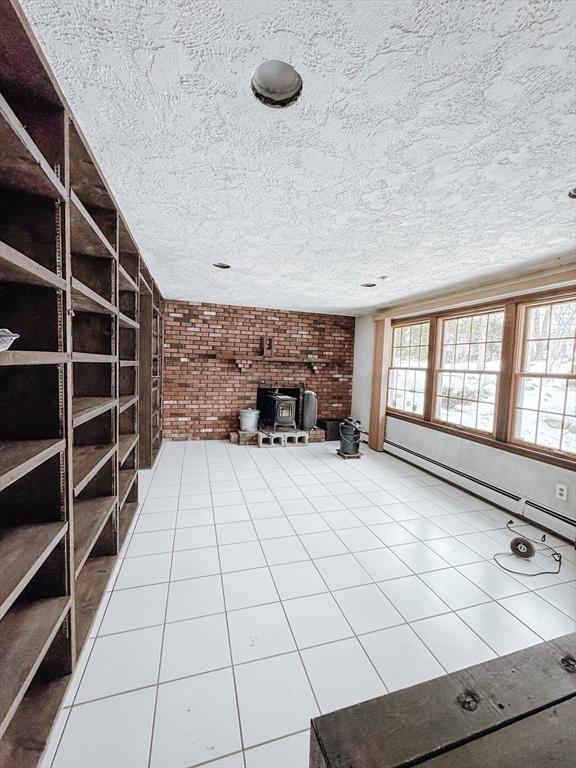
[(208, 376)]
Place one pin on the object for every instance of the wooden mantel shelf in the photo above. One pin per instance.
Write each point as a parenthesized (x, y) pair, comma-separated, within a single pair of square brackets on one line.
[(245, 363)]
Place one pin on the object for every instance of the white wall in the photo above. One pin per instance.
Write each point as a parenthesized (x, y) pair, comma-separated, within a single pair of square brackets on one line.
[(528, 478), (524, 477), (362, 374)]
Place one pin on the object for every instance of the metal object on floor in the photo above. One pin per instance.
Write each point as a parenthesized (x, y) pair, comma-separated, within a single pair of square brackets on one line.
[(309, 410), (523, 548), (351, 432)]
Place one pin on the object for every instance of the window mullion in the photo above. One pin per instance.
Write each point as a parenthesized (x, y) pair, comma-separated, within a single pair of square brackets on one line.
[(504, 400), (429, 392)]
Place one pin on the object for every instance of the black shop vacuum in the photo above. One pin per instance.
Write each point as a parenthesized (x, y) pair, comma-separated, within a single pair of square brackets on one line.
[(351, 432)]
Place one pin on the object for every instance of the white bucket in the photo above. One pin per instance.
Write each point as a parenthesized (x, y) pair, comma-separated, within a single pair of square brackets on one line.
[(249, 420)]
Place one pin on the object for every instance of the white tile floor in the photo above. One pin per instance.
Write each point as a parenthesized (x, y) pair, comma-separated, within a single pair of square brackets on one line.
[(259, 588)]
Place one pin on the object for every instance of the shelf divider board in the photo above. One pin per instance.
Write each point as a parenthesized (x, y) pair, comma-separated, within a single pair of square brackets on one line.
[(87, 462), (90, 517), (21, 158), (15, 267), (26, 633), (23, 549), (84, 299), (17, 458), (86, 408)]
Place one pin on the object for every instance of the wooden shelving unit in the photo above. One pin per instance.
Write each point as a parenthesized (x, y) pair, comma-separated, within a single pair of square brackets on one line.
[(70, 286), (150, 373)]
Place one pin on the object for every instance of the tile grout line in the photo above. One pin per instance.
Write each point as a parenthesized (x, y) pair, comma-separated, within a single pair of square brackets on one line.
[(163, 633), (290, 628), (234, 682), (346, 620)]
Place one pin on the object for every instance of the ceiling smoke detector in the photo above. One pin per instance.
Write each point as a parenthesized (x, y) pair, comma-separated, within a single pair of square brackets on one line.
[(276, 83), (221, 265)]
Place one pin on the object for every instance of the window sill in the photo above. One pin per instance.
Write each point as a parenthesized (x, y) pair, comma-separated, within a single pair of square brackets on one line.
[(548, 458)]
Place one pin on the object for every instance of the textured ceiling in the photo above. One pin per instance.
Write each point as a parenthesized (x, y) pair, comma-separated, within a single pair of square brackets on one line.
[(433, 141)]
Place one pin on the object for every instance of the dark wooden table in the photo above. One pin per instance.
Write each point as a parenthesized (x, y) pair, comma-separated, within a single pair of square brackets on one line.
[(517, 711)]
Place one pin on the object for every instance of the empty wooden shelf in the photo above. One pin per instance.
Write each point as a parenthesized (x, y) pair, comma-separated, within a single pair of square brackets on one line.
[(125, 445), (25, 636), (126, 283), (22, 551), (15, 267), (125, 482), (90, 517), (17, 458), (66, 498), (17, 357), (22, 165), (87, 461), (126, 401), (86, 408), (85, 235), (84, 299)]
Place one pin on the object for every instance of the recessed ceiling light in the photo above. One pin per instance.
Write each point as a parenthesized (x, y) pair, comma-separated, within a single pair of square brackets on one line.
[(572, 193), (276, 83), (221, 265), (368, 285)]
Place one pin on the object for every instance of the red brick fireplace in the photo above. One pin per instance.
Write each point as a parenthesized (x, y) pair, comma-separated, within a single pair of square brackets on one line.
[(216, 356)]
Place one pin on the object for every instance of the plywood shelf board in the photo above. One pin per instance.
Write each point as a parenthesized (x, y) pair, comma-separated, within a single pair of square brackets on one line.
[(17, 357), (26, 633), (87, 460), (86, 408), (127, 322), (23, 549), (90, 517), (125, 281), (17, 458), (22, 164), (125, 445), (126, 401), (126, 478), (127, 512), (84, 299), (89, 588), (15, 267), (89, 357), (85, 235)]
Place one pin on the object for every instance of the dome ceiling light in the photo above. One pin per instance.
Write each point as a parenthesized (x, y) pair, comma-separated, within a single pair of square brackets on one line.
[(572, 193), (368, 285), (221, 265), (276, 83)]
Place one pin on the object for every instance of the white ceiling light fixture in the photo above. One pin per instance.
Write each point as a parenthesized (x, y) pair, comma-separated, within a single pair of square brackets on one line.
[(368, 285), (276, 83), (221, 265)]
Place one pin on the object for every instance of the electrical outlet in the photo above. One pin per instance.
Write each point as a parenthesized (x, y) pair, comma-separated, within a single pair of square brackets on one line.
[(561, 492)]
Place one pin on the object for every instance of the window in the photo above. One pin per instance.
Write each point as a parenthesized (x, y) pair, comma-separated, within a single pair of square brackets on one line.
[(467, 374), (545, 412), (407, 374)]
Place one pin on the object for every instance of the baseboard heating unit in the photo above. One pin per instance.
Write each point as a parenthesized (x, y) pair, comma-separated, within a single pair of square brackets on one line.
[(549, 519)]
